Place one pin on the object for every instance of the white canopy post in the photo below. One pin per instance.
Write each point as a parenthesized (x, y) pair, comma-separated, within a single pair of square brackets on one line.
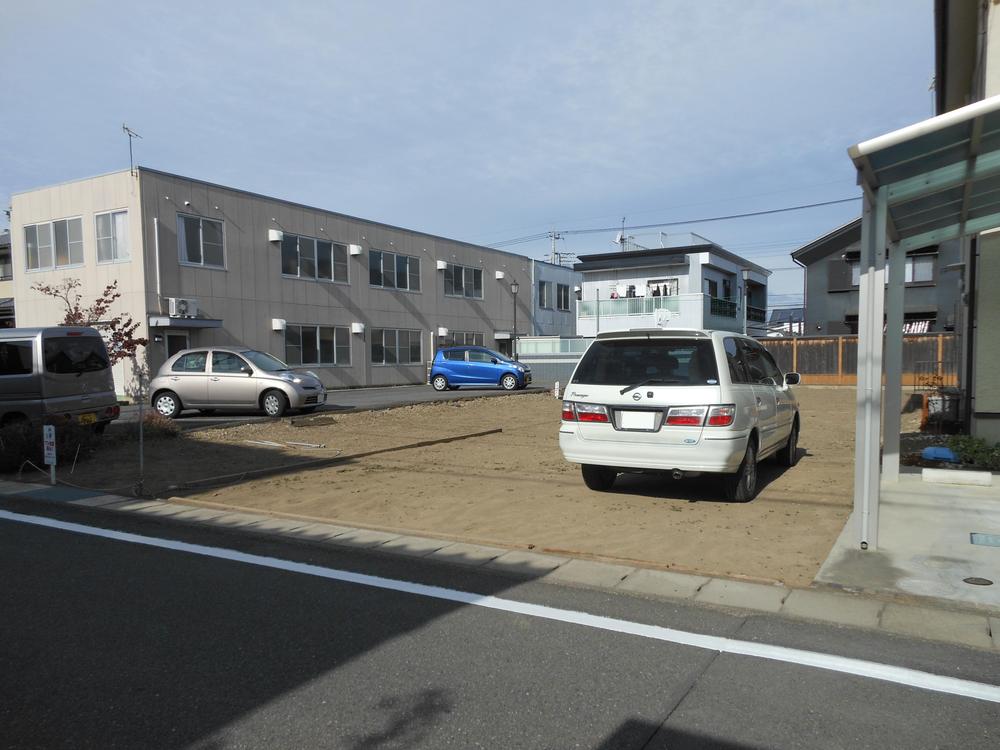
[(867, 434), (893, 363)]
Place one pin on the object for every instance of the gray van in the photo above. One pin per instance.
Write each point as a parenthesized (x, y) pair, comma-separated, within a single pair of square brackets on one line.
[(52, 373)]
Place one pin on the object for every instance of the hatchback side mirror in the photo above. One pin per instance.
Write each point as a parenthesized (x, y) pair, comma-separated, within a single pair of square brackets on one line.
[(792, 378), (493, 360), (246, 370)]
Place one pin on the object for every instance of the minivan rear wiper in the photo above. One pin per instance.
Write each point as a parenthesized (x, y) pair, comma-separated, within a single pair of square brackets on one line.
[(640, 384)]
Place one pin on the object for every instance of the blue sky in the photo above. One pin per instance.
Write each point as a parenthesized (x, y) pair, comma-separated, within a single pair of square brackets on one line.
[(479, 121)]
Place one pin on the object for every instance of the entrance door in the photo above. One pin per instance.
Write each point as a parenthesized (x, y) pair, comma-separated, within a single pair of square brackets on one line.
[(177, 341)]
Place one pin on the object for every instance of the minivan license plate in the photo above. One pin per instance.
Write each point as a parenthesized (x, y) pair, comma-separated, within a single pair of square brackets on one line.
[(637, 420)]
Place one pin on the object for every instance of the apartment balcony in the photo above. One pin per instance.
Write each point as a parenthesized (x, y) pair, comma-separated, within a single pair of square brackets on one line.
[(677, 311)]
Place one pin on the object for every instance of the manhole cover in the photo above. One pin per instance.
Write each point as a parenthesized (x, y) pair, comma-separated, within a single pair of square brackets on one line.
[(978, 581)]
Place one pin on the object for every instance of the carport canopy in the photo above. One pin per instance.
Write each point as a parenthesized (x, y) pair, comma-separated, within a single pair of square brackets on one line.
[(924, 184)]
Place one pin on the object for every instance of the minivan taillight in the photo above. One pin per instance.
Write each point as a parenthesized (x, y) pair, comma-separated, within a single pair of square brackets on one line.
[(722, 416), (591, 413), (568, 414), (686, 416)]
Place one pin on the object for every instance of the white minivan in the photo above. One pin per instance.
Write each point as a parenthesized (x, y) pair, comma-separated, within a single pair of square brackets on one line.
[(685, 402)]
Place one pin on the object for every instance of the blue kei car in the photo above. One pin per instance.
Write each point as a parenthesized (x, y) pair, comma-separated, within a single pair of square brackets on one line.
[(459, 366)]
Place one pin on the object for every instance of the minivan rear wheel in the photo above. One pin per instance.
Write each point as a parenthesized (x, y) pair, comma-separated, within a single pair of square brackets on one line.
[(789, 454), (741, 487), (599, 478), (167, 404), (439, 383)]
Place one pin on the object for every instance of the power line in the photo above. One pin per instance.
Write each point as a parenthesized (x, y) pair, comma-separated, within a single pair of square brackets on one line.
[(703, 220)]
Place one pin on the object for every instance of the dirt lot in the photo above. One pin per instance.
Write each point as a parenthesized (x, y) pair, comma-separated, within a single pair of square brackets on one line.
[(512, 488)]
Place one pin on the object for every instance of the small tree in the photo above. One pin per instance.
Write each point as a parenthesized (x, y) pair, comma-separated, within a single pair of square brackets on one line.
[(119, 330)]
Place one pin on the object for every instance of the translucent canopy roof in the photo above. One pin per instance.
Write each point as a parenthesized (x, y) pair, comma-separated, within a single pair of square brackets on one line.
[(941, 177)]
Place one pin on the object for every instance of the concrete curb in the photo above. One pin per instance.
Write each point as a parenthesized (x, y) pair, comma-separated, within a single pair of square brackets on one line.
[(976, 629)]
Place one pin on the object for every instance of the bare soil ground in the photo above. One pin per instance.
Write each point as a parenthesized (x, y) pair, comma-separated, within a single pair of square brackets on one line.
[(386, 470)]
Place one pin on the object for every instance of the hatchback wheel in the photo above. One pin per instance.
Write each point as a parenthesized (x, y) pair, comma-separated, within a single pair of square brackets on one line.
[(167, 404), (439, 383), (742, 486), (275, 404), (508, 382), (600, 478), (789, 454)]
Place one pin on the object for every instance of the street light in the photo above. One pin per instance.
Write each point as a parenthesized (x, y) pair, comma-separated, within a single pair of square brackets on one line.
[(514, 287)]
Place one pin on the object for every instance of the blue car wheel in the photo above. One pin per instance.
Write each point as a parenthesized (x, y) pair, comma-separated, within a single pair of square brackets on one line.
[(508, 382), (439, 382)]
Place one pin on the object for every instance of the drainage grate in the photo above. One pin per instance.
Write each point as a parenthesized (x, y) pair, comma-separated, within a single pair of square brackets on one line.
[(987, 540)]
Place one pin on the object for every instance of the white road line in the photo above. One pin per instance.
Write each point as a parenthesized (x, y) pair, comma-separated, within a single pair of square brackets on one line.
[(845, 665)]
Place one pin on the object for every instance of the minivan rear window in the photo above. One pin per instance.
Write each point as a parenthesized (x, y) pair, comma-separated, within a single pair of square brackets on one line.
[(625, 362), (71, 355)]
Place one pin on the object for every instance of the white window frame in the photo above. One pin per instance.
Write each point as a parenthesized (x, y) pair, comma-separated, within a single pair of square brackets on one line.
[(317, 326), (52, 238), (333, 266), (452, 267), (560, 289), (117, 257), (396, 331), (395, 274), (182, 243)]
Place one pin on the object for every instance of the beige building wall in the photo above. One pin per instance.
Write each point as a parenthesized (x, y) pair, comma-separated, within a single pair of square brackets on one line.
[(84, 199)]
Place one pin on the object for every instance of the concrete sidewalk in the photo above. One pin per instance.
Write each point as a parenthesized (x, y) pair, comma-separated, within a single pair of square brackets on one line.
[(934, 620)]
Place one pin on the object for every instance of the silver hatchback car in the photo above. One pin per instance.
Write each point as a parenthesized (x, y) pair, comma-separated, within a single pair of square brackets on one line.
[(232, 378)]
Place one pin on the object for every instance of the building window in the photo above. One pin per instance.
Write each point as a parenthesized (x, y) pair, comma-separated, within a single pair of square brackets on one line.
[(6, 267), (308, 258), (919, 269), (395, 347), (462, 338), (200, 242), (393, 271), (55, 244), (462, 281), (562, 297), (317, 345), (711, 287), (545, 294), (112, 236)]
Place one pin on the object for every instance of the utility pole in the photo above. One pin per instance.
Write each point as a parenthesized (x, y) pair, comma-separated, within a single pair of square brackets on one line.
[(554, 255)]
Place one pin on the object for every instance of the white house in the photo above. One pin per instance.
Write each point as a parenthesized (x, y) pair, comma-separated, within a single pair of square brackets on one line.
[(693, 284)]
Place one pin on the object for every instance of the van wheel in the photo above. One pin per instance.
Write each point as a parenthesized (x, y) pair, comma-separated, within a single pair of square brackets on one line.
[(275, 404), (508, 382), (167, 404), (599, 478), (789, 454), (741, 487), (439, 383)]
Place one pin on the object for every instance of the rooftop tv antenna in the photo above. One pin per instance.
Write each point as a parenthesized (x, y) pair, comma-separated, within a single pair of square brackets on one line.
[(131, 134)]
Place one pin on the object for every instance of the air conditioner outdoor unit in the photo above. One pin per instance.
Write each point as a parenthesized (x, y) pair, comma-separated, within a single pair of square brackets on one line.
[(183, 307)]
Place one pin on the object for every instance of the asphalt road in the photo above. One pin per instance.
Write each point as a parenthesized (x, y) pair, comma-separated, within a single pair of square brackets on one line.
[(343, 400), (112, 644)]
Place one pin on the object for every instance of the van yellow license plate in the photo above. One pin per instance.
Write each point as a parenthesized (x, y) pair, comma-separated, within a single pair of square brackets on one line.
[(88, 418)]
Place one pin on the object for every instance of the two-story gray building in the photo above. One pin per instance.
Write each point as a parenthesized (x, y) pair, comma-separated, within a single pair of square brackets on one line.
[(831, 263), (358, 302)]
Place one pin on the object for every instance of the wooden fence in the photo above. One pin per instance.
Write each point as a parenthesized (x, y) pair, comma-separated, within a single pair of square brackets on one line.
[(930, 360)]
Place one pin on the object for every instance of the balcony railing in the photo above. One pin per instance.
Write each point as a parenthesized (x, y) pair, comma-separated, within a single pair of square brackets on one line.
[(627, 306), (724, 308)]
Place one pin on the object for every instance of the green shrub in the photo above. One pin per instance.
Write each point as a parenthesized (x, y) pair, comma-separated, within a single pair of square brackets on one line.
[(976, 452)]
